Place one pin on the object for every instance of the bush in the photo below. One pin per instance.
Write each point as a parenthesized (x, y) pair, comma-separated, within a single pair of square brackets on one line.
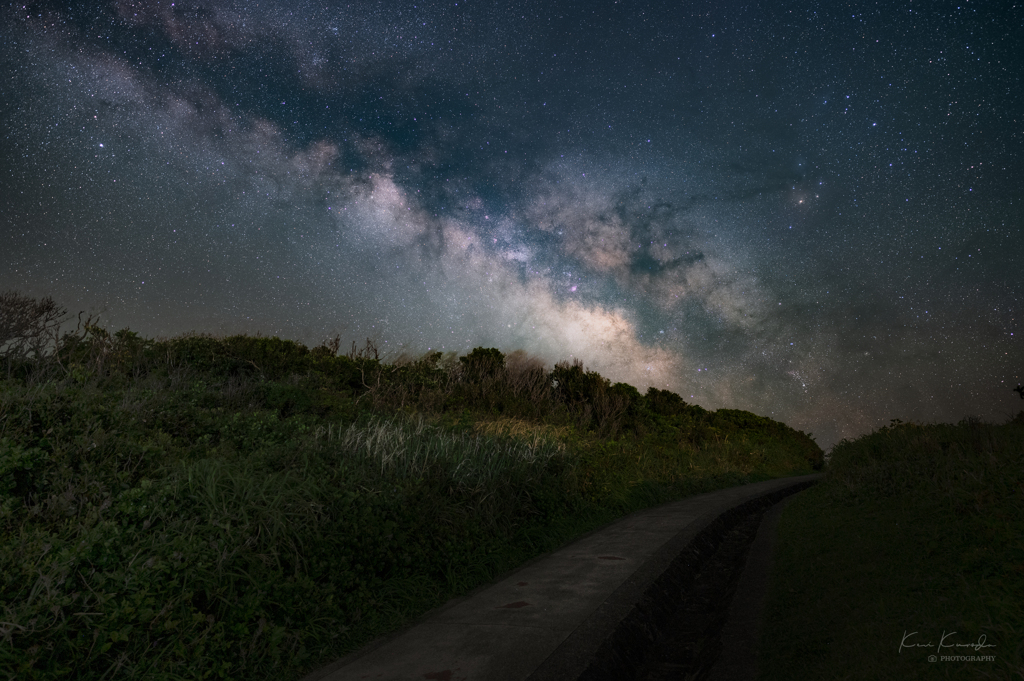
[(28, 328), (245, 506)]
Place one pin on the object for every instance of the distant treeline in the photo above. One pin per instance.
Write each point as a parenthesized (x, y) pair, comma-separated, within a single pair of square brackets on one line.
[(483, 382)]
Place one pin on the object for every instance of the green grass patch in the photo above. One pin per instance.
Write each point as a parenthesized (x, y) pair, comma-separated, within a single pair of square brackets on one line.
[(914, 529)]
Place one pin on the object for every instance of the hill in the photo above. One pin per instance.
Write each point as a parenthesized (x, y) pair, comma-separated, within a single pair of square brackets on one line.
[(248, 506)]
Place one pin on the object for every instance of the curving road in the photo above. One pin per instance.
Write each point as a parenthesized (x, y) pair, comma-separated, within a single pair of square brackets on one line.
[(648, 597)]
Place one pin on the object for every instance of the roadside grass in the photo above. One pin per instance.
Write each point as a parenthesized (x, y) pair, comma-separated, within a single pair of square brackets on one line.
[(154, 533), (915, 532), (520, 429), (245, 507)]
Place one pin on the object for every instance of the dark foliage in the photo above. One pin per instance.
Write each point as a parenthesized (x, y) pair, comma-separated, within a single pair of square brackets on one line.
[(27, 327), (245, 505)]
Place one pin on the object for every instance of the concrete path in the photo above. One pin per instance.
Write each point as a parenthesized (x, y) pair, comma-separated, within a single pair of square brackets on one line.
[(588, 609)]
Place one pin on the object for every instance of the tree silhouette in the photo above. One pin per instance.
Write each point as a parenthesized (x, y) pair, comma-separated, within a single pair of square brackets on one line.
[(27, 326), (1019, 390)]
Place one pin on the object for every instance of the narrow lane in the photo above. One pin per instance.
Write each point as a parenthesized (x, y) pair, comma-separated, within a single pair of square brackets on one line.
[(691, 643)]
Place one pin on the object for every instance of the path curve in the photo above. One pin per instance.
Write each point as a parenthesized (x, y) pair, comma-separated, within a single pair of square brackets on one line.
[(590, 610)]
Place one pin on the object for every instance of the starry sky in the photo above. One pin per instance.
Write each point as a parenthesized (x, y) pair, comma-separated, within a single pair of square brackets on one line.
[(809, 210)]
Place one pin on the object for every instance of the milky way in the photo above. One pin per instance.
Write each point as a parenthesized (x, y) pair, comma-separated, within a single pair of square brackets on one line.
[(808, 210)]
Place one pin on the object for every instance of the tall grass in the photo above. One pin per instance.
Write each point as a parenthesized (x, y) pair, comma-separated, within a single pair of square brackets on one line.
[(245, 507), (415, 450), (916, 528), (220, 564)]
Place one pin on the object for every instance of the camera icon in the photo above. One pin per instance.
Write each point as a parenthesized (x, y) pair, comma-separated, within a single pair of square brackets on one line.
[(932, 658)]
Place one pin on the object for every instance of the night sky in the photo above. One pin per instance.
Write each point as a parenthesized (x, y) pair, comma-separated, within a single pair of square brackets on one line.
[(810, 210)]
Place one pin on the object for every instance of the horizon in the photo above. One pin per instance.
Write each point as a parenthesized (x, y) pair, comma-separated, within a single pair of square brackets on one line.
[(402, 353), (809, 213)]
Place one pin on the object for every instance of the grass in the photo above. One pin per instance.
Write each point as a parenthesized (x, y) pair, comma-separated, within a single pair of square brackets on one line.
[(915, 532), (245, 507)]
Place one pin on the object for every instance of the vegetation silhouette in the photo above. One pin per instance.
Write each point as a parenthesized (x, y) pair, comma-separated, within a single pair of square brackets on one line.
[(916, 523), (247, 506)]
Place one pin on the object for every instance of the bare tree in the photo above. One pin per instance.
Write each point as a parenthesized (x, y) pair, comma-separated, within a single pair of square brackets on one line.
[(369, 352), (27, 326)]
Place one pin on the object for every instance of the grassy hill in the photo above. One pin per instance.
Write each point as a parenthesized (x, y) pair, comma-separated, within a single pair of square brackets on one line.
[(914, 539), (203, 507)]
